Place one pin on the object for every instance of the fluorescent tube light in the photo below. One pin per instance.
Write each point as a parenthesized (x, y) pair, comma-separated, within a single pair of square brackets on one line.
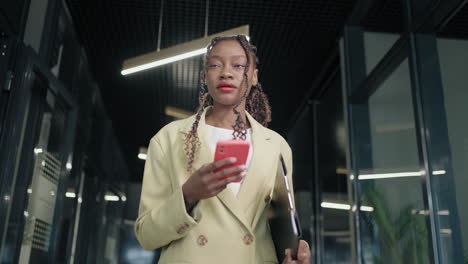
[(341, 171), (38, 150), (341, 206), (112, 198), (444, 212), (446, 231), (335, 206), (177, 112), (164, 61), (177, 52), (367, 208), (143, 153), (388, 175), (396, 175), (70, 194)]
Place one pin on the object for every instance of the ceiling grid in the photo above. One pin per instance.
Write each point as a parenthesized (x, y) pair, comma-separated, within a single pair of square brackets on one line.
[(293, 37)]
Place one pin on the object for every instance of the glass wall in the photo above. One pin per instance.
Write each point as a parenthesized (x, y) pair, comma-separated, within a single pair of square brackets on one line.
[(453, 55), (300, 139), (62, 172), (330, 144), (405, 100), (393, 225)]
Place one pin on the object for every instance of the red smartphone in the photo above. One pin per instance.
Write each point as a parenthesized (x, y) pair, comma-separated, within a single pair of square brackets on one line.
[(232, 148)]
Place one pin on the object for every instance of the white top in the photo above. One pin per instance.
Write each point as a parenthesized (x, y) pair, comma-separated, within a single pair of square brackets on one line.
[(216, 134)]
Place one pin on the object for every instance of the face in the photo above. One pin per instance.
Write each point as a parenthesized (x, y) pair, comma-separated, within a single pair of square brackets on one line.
[(225, 73)]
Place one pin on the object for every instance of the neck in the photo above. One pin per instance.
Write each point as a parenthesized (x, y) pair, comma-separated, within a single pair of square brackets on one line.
[(224, 117)]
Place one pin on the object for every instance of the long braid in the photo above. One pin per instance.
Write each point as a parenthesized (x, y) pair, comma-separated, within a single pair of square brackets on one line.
[(192, 142), (257, 103), (258, 100), (239, 127)]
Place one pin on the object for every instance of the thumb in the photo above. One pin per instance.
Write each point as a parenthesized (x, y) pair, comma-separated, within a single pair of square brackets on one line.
[(287, 258)]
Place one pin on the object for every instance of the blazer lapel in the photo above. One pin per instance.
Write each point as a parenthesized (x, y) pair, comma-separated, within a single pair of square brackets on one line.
[(259, 172), (206, 155)]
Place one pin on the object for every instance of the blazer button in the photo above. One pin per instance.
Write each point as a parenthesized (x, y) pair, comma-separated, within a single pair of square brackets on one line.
[(248, 239), (182, 228), (267, 199), (202, 240)]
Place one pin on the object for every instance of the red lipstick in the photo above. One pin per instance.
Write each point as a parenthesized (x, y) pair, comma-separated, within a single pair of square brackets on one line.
[(226, 87)]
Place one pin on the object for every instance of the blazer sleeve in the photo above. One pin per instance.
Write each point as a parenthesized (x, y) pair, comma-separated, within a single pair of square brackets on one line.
[(162, 216)]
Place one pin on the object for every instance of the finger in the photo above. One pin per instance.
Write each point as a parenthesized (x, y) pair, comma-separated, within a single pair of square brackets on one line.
[(227, 171), (303, 246), (287, 258), (303, 252), (224, 182), (217, 164)]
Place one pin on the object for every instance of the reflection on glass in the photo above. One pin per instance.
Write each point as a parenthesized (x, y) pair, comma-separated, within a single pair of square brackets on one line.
[(453, 56), (334, 204), (45, 179), (395, 231), (376, 46)]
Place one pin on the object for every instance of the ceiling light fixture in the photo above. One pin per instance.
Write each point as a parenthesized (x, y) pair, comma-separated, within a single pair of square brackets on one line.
[(177, 112), (342, 206), (177, 52), (143, 153), (70, 194), (396, 175), (111, 198)]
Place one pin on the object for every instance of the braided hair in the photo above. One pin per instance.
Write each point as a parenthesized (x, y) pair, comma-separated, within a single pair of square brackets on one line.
[(257, 103)]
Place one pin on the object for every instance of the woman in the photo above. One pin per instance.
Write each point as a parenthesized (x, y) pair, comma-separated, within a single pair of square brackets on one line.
[(184, 208)]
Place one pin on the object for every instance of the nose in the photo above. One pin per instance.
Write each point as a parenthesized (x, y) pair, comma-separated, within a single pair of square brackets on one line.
[(226, 73)]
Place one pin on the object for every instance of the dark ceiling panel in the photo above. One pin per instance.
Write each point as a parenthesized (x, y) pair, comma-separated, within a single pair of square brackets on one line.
[(293, 39), (457, 26), (385, 16)]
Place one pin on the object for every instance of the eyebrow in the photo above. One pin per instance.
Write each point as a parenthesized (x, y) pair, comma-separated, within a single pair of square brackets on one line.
[(232, 57)]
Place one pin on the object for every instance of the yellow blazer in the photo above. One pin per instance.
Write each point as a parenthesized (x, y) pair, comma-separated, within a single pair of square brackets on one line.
[(222, 229)]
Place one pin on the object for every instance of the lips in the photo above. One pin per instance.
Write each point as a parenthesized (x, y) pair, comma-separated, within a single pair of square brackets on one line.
[(226, 87)]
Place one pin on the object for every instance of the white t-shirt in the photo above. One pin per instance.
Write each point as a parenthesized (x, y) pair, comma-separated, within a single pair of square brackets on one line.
[(216, 134)]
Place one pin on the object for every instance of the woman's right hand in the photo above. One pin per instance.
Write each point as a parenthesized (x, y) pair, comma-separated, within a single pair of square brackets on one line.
[(204, 184)]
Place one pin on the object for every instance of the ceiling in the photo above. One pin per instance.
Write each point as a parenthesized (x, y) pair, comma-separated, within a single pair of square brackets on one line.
[(294, 39)]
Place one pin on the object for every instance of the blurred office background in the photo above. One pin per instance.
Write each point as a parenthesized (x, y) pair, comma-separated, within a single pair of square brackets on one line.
[(372, 96)]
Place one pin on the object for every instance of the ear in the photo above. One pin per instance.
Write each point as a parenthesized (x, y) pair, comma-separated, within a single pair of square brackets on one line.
[(255, 77)]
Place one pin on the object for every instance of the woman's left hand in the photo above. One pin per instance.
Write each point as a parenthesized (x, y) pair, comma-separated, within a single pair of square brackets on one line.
[(303, 254)]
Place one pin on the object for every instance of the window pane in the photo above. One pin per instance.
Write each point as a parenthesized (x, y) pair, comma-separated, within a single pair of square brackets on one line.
[(393, 214), (453, 56)]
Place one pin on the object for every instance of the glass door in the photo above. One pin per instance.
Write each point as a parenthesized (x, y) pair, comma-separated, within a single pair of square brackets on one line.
[(44, 126), (399, 163), (405, 153)]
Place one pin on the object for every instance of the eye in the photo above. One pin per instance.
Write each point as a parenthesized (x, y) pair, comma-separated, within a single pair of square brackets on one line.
[(239, 66), (213, 66)]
